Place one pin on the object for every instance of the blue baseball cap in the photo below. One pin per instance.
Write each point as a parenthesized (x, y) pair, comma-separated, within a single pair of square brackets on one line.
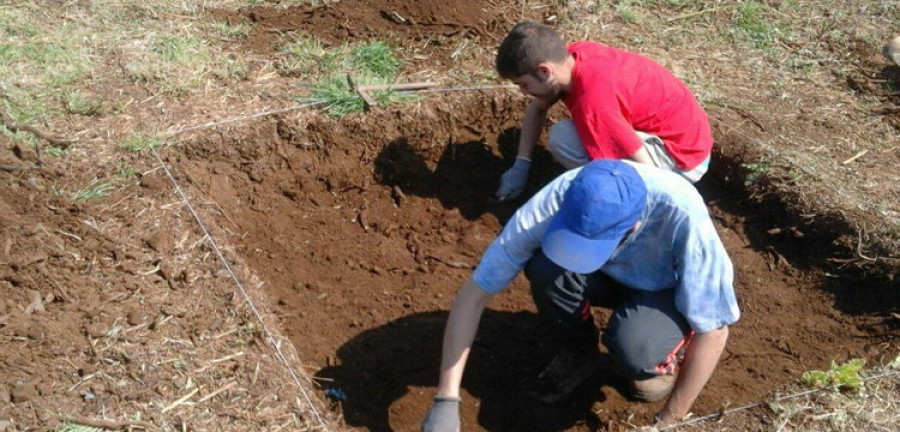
[(602, 204)]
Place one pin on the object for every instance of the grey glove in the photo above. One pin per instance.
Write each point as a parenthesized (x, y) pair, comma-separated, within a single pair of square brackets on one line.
[(512, 183), (443, 416)]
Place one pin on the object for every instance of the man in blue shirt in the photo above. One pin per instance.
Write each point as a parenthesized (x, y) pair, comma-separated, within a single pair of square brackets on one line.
[(613, 233)]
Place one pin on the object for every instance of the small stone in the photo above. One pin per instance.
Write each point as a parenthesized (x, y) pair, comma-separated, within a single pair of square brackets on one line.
[(96, 330), (86, 369), (136, 317), (160, 242), (24, 392)]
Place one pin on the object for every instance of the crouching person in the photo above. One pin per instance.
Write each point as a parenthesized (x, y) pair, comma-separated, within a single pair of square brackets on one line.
[(616, 234)]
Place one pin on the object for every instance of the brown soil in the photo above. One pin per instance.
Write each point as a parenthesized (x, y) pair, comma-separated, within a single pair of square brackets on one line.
[(352, 236)]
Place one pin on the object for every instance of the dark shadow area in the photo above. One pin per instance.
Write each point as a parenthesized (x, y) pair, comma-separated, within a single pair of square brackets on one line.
[(466, 175), (807, 245), (509, 352)]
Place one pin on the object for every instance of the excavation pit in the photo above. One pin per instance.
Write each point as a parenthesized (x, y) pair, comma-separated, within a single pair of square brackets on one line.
[(362, 230)]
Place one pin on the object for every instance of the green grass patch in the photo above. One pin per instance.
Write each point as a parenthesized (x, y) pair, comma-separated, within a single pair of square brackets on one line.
[(750, 17), (77, 102), (340, 99), (372, 62), (142, 141), (629, 11), (844, 376), (96, 189), (55, 151), (306, 55), (126, 171), (375, 57), (228, 31), (74, 427)]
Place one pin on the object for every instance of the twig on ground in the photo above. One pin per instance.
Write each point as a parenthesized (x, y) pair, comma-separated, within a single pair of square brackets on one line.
[(855, 157), (12, 169), (451, 264), (181, 400), (109, 424), (222, 389), (13, 127)]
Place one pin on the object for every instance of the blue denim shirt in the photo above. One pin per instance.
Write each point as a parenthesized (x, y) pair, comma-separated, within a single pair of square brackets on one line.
[(676, 247)]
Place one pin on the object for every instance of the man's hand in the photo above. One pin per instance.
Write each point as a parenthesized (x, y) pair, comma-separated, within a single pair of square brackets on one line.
[(443, 416), (512, 183)]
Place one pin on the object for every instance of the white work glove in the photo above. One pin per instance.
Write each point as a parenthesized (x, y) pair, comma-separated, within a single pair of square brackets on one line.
[(512, 183), (443, 416)]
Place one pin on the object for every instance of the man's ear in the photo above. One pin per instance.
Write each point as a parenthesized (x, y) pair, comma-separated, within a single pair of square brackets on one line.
[(544, 70)]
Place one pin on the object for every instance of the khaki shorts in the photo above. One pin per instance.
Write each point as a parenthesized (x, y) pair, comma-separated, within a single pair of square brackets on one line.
[(566, 148)]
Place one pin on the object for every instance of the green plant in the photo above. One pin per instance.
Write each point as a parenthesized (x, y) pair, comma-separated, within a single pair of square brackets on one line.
[(228, 30), (66, 426), (749, 17), (55, 151), (755, 171), (125, 171), (141, 141), (78, 103), (376, 57), (627, 11), (177, 49), (95, 189), (845, 376), (306, 55), (340, 99)]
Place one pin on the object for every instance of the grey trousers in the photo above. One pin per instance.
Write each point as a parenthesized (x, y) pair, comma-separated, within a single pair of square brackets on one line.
[(644, 334)]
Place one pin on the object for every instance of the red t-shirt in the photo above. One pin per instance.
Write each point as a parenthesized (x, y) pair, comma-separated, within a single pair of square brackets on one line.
[(615, 93)]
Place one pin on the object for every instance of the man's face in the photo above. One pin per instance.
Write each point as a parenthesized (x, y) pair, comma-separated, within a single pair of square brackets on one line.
[(546, 89)]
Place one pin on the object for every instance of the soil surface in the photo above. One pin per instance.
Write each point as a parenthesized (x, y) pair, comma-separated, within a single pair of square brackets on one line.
[(354, 235)]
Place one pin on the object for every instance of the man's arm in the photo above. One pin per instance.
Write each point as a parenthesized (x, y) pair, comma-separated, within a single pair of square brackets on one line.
[(513, 181), (535, 117), (699, 362), (458, 336)]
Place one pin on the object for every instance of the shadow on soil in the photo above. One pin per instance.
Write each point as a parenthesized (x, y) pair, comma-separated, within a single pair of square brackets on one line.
[(811, 248), (466, 176), (508, 354)]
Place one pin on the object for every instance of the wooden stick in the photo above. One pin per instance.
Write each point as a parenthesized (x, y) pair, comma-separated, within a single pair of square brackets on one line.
[(362, 93)]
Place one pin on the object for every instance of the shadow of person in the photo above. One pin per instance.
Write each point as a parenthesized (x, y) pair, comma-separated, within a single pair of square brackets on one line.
[(465, 175), (389, 375)]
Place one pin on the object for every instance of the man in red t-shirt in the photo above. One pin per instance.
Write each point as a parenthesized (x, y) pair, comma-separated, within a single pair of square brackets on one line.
[(623, 106)]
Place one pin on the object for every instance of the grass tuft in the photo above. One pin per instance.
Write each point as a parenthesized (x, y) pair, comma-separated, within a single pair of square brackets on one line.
[(844, 376), (96, 189), (77, 103), (341, 99), (74, 427), (55, 151), (142, 141), (306, 55), (229, 31), (375, 57)]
